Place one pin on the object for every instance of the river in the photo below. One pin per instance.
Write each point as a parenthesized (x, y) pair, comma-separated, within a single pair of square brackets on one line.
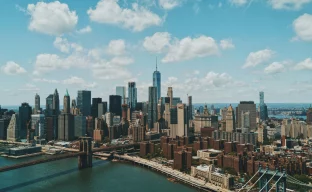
[(104, 176)]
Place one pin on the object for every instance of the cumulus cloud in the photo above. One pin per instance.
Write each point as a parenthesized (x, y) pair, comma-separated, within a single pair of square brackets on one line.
[(116, 47), (12, 68), (227, 44), (304, 65), (189, 48), (169, 4), (259, 57), (86, 29), (157, 42), (29, 87), (288, 4), (107, 70), (238, 2), (275, 67), (136, 18), (73, 80), (64, 46), (303, 27), (52, 18)]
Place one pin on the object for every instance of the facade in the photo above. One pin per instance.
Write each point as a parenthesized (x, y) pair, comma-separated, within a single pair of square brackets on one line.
[(115, 104), (183, 159), (80, 125), (95, 107), (102, 109), (205, 120), (37, 104), (24, 113), (4, 123), (157, 82), (38, 124), (49, 105), (121, 91), (66, 129), (66, 105), (183, 120), (138, 131), (263, 108), (309, 116), (223, 113), (84, 102), (245, 106), (56, 103), (132, 95), (170, 95), (230, 120), (190, 107), (245, 119), (13, 131), (152, 106)]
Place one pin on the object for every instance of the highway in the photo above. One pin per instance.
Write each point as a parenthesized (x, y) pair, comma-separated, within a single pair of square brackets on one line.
[(174, 173)]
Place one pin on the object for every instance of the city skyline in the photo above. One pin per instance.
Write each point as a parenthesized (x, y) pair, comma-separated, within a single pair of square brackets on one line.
[(95, 52)]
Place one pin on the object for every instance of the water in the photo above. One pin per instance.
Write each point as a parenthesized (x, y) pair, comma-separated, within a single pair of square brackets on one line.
[(63, 175)]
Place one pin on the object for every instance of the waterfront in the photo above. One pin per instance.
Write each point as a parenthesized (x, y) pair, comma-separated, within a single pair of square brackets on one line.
[(105, 176)]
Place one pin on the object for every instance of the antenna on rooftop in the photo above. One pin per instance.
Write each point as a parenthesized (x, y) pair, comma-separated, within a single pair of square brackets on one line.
[(156, 63)]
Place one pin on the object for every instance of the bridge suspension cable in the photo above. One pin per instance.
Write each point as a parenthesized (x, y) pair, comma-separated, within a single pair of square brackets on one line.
[(249, 180), (257, 180), (269, 181), (276, 182)]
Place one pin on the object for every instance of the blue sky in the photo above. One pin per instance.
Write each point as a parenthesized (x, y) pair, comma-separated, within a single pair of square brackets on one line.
[(215, 50)]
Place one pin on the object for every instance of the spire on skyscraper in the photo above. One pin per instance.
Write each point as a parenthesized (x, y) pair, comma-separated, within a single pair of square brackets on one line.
[(156, 63)]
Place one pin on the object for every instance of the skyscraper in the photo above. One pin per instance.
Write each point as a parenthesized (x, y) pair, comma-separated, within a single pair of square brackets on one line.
[(84, 102), (56, 103), (66, 129), (37, 104), (230, 120), (190, 107), (49, 105), (183, 125), (170, 95), (24, 117), (13, 131), (263, 107), (245, 106), (132, 95), (121, 91), (95, 107), (152, 106), (102, 109), (157, 81), (115, 104)]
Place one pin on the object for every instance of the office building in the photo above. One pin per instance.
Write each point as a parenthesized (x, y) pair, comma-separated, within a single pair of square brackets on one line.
[(170, 95), (138, 131), (14, 128), (49, 105), (115, 104), (121, 91), (132, 95), (90, 126), (49, 128), (74, 109), (4, 123), (183, 159), (66, 129), (263, 107), (245, 106), (95, 107), (245, 119), (102, 109), (309, 116), (24, 113), (223, 113), (38, 124), (190, 107), (84, 102), (56, 103), (80, 126), (152, 106), (157, 82), (230, 120), (183, 120), (205, 120), (37, 109)]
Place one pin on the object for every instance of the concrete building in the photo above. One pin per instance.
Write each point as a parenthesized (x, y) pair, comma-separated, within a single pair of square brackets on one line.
[(230, 120), (24, 114), (245, 106), (205, 120), (182, 159), (121, 91), (37, 109), (115, 104), (138, 131), (152, 107), (245, 119), (132, 95), (13, 131), (223, 112), (183, 120), (190, 108), (262, 133), (170, 95), (84, 102), (80, 125), (66, 129), (309, 116), (38, 124)]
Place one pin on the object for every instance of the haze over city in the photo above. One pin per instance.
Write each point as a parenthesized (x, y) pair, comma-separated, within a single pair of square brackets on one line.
[(218, 51)]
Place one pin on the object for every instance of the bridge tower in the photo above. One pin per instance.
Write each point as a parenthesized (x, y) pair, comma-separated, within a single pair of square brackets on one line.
[(278, 178), (85, 160)]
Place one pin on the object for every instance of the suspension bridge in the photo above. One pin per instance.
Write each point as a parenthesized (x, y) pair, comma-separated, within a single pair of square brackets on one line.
[(271, 180)]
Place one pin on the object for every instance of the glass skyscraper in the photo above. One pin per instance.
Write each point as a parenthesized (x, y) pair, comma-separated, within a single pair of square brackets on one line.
[(132, 95), (263, 107), (121, 91), (152, 106), (84, 102), (157, 82)]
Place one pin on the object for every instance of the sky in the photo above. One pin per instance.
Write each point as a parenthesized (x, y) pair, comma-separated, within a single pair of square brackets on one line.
[(218, 51)]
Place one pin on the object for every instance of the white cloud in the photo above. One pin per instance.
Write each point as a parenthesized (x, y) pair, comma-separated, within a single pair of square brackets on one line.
[(274, 68), (137, 18), (73, 80), (189, 48), (196, 72), (238, 2), (157, 42), (288, 4), (53, 18), (259, 57), (12, 68), (116, 47), (29, 87), (86, 29), (121, 61), (169, 4), (45, 80), (304, 65), (303, 27), (107, 71), (64, 46), (227, 44)]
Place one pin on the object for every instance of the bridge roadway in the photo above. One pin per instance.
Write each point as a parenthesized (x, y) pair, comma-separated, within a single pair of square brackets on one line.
[(203, 185), (61, 156)]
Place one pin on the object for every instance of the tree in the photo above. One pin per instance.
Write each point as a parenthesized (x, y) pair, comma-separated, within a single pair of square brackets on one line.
[(230, 170)]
